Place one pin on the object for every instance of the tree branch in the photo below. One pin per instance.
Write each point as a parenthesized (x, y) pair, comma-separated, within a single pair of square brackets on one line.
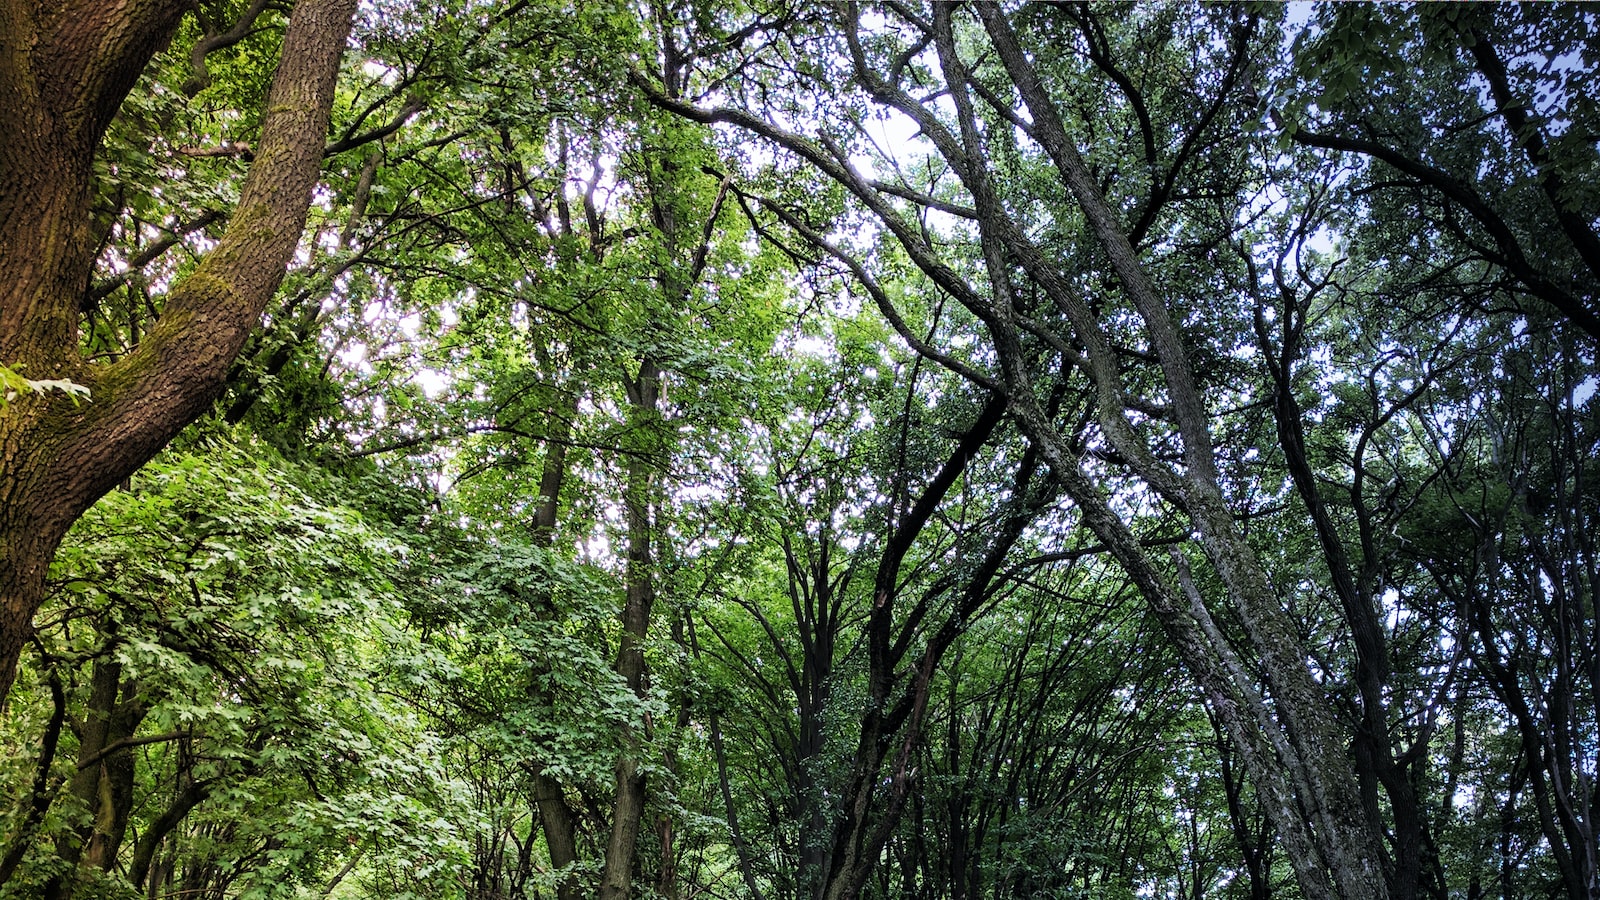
[(105, 286), (125, 743), (1513, 258), (214, 41)]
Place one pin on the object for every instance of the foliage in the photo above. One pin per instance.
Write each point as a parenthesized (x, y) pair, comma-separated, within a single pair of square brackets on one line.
[(745, 449)]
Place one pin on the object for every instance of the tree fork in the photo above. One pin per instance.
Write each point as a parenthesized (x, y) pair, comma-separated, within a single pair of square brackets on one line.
[(63, 76)]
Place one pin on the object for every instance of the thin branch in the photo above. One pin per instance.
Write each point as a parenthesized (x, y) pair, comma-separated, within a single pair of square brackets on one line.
[(211, 43), (126, 743), (145, 257)]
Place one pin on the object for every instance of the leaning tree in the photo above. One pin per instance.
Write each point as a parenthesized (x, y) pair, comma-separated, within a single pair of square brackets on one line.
[(65, 70)]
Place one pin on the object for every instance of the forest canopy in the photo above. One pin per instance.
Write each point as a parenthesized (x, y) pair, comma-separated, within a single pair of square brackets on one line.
[(506, 449)]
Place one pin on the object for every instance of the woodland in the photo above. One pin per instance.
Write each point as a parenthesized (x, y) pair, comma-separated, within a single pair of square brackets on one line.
[(792, 450)]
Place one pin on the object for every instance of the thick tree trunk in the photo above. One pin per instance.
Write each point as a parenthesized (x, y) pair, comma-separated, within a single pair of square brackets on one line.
[(63, 75)]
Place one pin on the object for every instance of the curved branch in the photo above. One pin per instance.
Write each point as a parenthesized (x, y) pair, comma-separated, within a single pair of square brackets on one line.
[(1512, 256), (146, 398), (1531, 139), (126, 743), (214, 41)]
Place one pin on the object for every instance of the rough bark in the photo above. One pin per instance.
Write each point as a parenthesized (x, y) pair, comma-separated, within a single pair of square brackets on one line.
[(64, 71)]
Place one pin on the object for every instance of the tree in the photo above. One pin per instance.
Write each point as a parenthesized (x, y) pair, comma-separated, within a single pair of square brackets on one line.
[(1505, 172), (1293, 754), (1092, 208), (207, 637), (68, 68), (840, 451)]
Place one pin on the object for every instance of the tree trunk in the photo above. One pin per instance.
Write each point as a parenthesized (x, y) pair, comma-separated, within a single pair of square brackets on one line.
[(555, 815), (63, 75), (144, 853), (616, 880), (103, 782)]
